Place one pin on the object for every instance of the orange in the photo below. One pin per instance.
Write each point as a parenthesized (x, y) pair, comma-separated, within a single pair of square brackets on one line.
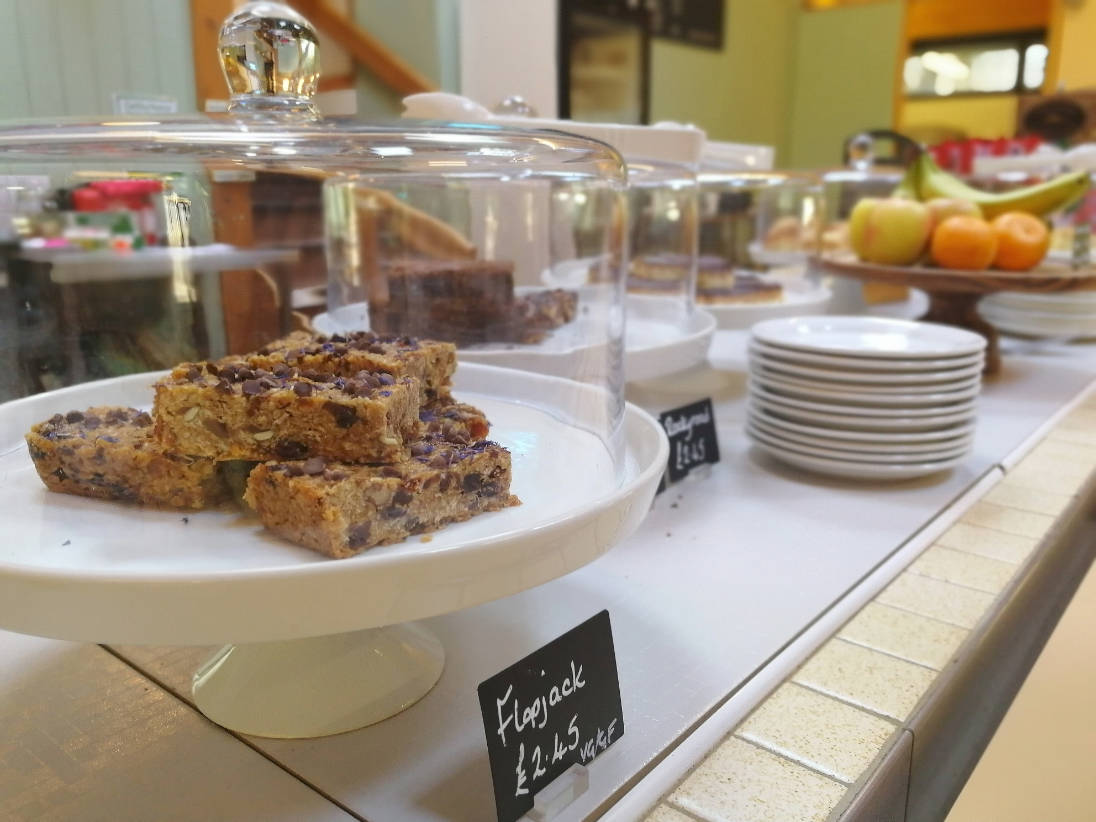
[(1022, 240), (965, 242)]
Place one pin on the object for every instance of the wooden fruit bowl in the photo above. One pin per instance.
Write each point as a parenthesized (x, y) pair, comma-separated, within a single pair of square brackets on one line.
[(954, 294)]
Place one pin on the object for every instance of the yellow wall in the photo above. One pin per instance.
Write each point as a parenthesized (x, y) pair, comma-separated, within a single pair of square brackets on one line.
[(843, 81), (1076, 61), (989, 117), (739, 93)]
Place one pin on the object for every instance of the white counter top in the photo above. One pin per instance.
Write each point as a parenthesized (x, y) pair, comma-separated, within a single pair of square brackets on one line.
[(724, 573)]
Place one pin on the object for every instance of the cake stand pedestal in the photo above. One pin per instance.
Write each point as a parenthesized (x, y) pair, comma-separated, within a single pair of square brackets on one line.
[(954, 295)]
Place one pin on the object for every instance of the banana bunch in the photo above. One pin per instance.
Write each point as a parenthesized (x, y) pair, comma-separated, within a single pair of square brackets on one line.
[(925, 181)]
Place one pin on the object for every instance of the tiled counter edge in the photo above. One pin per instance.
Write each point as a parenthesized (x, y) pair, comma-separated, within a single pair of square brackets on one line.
[(865, 701)]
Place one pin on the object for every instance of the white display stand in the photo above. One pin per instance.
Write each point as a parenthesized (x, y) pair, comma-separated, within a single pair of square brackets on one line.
[(82, 569)]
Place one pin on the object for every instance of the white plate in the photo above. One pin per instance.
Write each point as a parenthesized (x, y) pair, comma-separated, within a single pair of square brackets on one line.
[(800, 298), (921, 451), (759, 391), (787, 389), (869, 458), (872, 388), (660, 339), (856, 470), (1079, 303), (839, 363), (1039, 324), (876, 337), (845, 422), (899, 438), (764, 361), (84, 569)]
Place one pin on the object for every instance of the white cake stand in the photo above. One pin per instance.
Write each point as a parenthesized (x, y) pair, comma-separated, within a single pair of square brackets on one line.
[(660, 339), (322, 645)]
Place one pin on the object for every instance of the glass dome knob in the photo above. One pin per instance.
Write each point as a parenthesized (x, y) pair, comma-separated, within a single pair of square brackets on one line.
[(269, 58)]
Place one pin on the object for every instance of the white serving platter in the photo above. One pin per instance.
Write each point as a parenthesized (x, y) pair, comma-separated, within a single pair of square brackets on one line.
[(83, 569)]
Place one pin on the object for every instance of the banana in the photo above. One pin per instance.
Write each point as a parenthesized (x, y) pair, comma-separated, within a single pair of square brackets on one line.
[(1039, 199)]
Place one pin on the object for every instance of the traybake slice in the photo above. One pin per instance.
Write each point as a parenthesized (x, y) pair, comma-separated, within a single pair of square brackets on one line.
[(229, 411), (344, 355), (109, 453), (341, 510)]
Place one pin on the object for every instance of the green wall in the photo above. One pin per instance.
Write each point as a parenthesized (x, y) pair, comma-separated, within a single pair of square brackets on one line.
[(843, 79), (798, 80), (62, 57), (422, 32), (739, 93)]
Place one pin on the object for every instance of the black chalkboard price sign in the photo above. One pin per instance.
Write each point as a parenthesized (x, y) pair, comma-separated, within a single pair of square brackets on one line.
[(693, 442), (558, 706)]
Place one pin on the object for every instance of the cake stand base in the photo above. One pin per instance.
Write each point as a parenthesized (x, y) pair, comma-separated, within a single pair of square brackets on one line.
[(962, 310), (321, 685)]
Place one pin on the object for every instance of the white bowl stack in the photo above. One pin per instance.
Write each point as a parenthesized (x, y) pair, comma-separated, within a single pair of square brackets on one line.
[(864, 397), (1059, 316)]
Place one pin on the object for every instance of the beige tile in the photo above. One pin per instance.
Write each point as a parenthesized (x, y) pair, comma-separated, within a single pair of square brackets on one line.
[(867, 678), (740, 782), (827, 735), (936, 599), (909, 636), (1027, 499), (1073, 432), (1049, 475), (664, 813), (987, 542), (962, 568), (1003, 518), (1074, 454)]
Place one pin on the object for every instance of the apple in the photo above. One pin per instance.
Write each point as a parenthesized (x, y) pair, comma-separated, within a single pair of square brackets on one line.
[(944, 207), (890, 232)]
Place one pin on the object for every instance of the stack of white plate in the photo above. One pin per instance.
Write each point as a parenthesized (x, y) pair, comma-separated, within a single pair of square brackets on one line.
[(864, 397), (1067, 315)]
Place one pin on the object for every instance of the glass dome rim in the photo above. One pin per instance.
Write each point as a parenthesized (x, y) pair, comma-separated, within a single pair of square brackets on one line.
[(215, 137)]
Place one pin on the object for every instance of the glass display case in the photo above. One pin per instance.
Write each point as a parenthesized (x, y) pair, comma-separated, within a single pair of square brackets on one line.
[(370, 433)]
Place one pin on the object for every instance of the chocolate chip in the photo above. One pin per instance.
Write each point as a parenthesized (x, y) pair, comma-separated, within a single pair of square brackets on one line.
[(393, 512), (91, 422), (440, 461), (344, 417), (334, 476), (302, 389), (445, 482), (193, 373), (56, 419), (391, 471), (252, 387), (338, 338), (358, 535), (143, 420), (419, 449), (74, 416), (339, 350), (386, 379), (216, 427), (313, 466), (290, 450), (375, 348), (426, 415), (472, 482), (224, 386), (402, 497), (294, 470), (211, 367), (281, 370)]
